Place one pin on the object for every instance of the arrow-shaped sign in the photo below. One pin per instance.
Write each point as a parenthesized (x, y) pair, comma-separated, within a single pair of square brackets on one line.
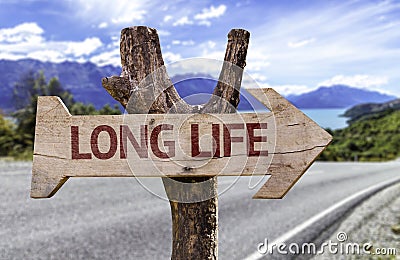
[(282, 143)]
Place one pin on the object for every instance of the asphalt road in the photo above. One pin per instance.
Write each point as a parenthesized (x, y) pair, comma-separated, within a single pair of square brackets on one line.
[(116, 218)]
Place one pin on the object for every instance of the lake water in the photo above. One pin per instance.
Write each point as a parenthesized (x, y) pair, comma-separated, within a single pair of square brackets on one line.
[(327, 118)]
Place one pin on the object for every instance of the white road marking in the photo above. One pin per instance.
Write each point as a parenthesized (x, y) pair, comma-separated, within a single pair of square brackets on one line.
[(293, 232)]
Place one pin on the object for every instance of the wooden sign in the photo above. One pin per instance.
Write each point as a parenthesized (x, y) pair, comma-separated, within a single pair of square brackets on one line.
[(282, 143)]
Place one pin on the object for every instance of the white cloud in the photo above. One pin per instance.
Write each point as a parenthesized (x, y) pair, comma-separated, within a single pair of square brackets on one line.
[(205, 22), (123, 13), (255, 80), (208, 50), (167, 18), (290, 89), (107, 58), (359, 81), (103, 25), (47, 55), (27, 41), (184, 43), (195, 65), (211, 44), (86, 47), (258, 77), (21, 33), (129, 18), (182, 21), (171, 57), (163, 33), (188, 43), (11, 56), (240, 4), (212, 12), (257, 64), (258, 59), (218, 55), (209, 13), (297, 44)]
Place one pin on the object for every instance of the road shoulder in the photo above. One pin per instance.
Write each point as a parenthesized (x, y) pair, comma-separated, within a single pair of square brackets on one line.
[(371, 223)]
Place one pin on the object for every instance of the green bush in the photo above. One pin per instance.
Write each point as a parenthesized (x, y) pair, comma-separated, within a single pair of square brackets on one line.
[(376, 138)]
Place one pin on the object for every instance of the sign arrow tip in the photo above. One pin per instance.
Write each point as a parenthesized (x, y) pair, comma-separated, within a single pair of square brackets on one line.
[(49, 151), (299, 141)]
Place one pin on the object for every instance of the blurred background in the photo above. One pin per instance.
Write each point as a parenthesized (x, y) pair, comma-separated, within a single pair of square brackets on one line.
[(335, 60)]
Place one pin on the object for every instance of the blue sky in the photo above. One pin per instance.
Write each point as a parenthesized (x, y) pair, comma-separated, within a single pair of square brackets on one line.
[(295, 46)]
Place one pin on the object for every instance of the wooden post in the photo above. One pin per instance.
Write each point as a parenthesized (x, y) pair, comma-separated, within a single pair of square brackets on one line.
[(195, 223)]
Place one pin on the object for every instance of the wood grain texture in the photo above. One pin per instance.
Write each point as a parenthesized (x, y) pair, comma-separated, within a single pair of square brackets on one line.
[(195, 225), (299, 141), (225, 98), (293, 142)]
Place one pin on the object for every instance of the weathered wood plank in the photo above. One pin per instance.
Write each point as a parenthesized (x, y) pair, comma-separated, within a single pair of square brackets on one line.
[(95, 145), (299, 141)]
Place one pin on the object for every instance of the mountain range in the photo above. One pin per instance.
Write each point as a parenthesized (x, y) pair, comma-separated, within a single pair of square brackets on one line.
[(368, 110), (196, 89), (337, 96), (83, 80)]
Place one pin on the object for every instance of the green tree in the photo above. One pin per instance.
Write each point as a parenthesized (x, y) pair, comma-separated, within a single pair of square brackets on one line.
[(32, 85), (82, 109), (372, 138), (108, 110), (8, 137), (25, 95)]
